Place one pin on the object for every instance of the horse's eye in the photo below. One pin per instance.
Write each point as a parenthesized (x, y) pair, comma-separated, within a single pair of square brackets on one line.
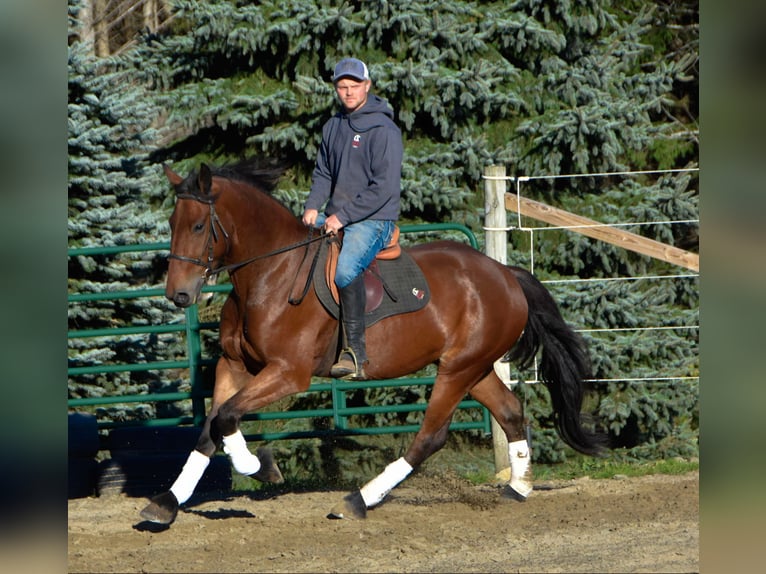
[(199, 227)]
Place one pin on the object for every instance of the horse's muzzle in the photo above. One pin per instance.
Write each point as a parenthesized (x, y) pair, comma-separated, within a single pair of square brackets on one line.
[(181, 299), (184, 291)]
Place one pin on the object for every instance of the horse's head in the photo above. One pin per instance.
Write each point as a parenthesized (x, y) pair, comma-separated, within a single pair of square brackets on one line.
[(198, 240)]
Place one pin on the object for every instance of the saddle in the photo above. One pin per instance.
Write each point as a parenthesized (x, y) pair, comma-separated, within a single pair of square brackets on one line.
[(372, 280), (393, 282)]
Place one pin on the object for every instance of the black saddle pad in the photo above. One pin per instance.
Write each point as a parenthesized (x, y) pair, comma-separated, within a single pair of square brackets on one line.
[(405, 287)]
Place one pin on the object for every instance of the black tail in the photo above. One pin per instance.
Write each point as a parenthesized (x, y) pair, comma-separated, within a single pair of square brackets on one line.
[(564, 364)]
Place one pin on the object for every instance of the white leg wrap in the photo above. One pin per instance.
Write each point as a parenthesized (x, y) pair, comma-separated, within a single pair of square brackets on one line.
[(376, 490), (521, 474), (242, 459), (190, 475)]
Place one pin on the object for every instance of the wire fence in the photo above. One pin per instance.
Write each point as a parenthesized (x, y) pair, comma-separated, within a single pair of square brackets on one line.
[(538, 232)]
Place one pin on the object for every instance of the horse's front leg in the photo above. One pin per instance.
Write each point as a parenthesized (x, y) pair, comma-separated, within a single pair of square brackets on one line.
[(163, 508), (236, 393), (260, 466)]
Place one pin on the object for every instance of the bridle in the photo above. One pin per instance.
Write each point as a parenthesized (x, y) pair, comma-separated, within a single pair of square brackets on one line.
[(213, 237)]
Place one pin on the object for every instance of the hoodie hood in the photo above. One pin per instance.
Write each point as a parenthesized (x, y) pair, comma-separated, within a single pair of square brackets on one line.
[(369, 115)]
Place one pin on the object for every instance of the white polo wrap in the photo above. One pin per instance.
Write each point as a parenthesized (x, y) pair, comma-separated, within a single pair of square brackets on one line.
[(190, 476), (242, 459), (521, 479), (376, 490)]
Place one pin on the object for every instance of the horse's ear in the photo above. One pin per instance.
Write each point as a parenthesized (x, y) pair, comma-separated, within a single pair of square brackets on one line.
[(172, 176), (205, 179)]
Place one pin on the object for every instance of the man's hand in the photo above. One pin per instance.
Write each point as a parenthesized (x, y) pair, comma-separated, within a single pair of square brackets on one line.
[(332, 224), (310, 217)]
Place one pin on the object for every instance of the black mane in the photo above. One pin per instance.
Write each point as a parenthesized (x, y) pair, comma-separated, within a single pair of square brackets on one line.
[(256, 171)]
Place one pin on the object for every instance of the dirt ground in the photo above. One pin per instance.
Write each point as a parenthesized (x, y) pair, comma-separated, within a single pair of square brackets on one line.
[(430, 523)]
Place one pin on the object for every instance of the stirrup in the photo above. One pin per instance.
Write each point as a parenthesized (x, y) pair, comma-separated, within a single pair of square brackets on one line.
[(347, 367)]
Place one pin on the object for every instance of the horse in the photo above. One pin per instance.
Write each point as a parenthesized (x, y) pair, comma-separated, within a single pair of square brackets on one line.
[(272, 343)]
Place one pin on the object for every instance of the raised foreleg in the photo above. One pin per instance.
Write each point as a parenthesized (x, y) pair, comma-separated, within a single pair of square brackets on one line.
[(276, 380)]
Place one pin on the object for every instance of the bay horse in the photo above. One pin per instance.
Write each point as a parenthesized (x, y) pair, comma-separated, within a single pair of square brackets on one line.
[(479, 311)]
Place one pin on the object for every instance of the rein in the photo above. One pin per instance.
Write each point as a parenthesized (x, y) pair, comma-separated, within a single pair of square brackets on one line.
[(235, 266), (213, 237)]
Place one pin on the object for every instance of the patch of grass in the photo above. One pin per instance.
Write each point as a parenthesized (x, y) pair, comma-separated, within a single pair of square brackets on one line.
[(480, 476), (609, 468), (475, 463)]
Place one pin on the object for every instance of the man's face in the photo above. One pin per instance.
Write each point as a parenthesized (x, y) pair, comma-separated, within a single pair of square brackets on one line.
[(352, 93)]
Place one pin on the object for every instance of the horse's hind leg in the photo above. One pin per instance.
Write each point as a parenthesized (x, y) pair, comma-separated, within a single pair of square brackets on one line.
[(506, 408), (430, 438)]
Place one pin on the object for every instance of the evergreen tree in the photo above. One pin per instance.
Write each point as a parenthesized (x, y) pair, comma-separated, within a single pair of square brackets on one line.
[(116, 198), (547, 87)]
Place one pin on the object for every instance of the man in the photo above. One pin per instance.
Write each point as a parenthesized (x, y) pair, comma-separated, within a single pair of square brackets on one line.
[(357, 176)]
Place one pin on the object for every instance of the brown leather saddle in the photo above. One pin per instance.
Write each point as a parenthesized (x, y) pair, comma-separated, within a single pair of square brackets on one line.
[(394, 282)]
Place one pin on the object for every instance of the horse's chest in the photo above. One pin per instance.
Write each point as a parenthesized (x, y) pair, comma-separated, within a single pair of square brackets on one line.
[(244, 338), (252, 337)]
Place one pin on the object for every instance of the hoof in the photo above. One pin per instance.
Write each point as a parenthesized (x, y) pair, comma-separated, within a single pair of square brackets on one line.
[(352, 506), (269, 471), (163, 509), (513, 494)]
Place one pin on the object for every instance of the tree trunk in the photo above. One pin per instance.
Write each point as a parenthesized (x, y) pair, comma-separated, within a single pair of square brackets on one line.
[(151, 19), (100, 28)]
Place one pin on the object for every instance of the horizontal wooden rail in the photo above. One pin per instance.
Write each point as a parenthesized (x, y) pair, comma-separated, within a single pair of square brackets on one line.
[(624, 239)]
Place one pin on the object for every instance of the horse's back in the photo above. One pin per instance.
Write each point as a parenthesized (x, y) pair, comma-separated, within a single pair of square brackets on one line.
[(452, 262)]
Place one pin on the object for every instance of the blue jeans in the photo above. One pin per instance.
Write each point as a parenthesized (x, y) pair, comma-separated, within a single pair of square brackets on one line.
[(361, 243)]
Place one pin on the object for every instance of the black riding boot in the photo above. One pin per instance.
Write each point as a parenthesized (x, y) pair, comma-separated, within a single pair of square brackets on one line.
[(350, 365)]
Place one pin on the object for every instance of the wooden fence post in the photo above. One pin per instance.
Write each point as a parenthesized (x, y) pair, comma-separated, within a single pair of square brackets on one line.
[(496, 245)]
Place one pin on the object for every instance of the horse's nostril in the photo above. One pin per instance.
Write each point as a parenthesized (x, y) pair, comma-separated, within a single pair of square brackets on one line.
[(182, 299)]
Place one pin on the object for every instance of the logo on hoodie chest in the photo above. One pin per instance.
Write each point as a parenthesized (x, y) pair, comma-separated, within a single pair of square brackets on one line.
[(357, 141)]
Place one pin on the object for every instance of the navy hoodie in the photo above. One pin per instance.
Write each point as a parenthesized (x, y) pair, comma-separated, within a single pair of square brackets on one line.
[(358, 168)]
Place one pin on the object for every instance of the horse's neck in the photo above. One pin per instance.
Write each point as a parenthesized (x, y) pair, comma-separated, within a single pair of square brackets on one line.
[(261, 226)]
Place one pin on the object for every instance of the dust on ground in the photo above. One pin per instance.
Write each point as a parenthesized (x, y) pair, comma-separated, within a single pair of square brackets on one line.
[(433, 522)]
